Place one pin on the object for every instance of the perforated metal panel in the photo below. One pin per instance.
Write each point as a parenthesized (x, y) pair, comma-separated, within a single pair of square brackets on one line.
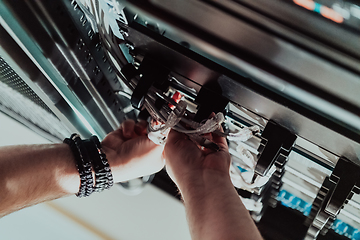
[(12, 79), (19, 101)]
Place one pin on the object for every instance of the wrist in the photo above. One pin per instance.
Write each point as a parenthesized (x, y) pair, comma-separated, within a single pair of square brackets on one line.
[(204, 183)]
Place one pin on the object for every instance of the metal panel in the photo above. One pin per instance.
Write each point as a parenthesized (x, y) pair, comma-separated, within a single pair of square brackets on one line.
[(286, 69)]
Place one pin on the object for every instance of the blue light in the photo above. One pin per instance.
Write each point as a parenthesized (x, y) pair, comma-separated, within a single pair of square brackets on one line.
[(242, 169), (290, 200), (317, 7), (346, 230)]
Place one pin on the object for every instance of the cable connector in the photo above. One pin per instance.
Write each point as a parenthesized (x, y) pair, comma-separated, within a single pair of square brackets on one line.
[(244, 134), (159, 135)]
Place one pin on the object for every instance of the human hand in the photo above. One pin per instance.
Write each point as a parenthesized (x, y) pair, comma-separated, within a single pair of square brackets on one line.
[(130, 153), (213, 207), (189, 164)]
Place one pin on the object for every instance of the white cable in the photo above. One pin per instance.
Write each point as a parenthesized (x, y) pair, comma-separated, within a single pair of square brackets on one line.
[(243, 179), (159, 135), (245, 155), (251, 204), (209, 126), (244, 134), (247, 161)]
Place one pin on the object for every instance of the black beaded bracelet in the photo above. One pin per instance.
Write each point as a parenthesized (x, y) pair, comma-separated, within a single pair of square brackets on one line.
[(103, 175), (79, 165), (104, 161), (89, 156), (86, 164)]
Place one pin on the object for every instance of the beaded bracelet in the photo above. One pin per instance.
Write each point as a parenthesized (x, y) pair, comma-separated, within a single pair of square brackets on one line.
[(79, 165), (103, 175), (104, 161), (86, 165), (89, 156)]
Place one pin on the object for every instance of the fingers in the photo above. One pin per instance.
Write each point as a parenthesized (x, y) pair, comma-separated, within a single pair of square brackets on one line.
[(141, 127), (220, 141), (128, 127), (113, 139), (128, 130)]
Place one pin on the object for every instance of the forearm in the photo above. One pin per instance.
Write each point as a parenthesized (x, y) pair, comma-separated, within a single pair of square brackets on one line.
[(35, 173), (215, 211)]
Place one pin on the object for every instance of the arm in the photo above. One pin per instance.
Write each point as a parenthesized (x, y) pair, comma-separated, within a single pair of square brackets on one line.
[(37, 173), (213, 207)]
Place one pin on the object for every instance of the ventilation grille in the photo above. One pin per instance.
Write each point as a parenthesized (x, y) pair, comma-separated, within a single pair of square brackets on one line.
[(10, 78), (18, 98)]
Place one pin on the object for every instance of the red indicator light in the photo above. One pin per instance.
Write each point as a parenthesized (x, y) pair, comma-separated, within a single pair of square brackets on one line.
[(176, 97)]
